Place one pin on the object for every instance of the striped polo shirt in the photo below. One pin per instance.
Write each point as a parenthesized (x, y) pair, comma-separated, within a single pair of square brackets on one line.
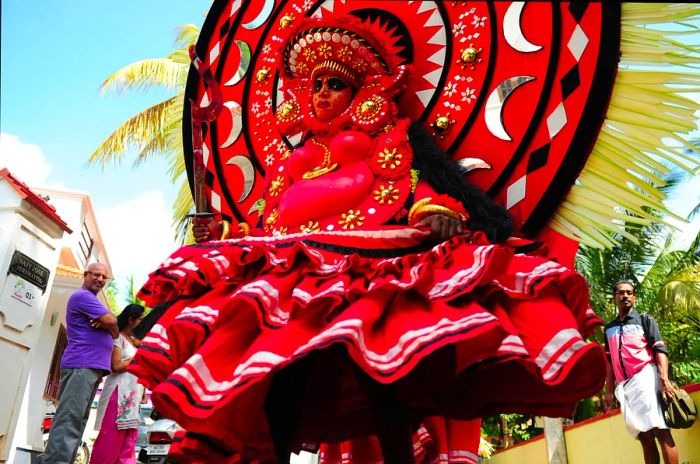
[(628, 347)]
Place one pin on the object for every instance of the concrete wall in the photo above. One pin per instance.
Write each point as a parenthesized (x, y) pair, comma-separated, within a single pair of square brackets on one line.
[(604, 440)]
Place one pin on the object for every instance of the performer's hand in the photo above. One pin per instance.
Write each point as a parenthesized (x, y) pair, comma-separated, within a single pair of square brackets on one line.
[(95, 324), (441, 227), (205, 229)]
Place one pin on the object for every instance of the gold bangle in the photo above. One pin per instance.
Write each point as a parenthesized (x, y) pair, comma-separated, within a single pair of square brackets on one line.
[(437, 209), (416, 206), (225, 232), (422, 209)]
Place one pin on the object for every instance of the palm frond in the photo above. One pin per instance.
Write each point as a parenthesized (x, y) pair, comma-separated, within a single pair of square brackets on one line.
[(187, 35), (649, 115), (146, 75), (135, 133)]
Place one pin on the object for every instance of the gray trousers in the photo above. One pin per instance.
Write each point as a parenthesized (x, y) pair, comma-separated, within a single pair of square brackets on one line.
[(78, 388)]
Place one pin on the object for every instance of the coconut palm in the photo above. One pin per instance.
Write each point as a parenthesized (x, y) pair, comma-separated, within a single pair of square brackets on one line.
[(155, 131)]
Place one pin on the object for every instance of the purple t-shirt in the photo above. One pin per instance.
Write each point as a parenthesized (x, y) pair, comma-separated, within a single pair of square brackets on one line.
[(87, 347)]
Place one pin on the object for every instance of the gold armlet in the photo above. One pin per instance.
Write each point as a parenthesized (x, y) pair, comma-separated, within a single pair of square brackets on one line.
[(226, 230)]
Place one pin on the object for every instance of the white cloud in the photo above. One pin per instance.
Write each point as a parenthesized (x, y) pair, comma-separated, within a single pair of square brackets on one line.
[(138, 236), (25, 161)]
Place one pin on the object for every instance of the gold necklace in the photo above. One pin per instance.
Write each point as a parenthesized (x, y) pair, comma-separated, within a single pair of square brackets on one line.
[(325, 166)]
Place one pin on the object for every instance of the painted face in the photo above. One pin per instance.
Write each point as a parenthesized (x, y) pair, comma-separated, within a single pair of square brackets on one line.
[(331, 97), (624, 297)]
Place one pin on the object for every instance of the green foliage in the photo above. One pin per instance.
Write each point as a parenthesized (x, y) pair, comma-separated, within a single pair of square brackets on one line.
[(111, 291), (507, 429), (131, 292), (668, 287)]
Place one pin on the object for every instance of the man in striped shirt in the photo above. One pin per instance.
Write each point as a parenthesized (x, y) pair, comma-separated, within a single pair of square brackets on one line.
[(638, 363)]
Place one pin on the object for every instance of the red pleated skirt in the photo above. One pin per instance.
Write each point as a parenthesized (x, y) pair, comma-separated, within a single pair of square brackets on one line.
[(463, 329)]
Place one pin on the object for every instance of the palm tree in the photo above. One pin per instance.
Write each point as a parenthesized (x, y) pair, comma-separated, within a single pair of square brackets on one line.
[(131, 291), (155, 131), (111, 291)]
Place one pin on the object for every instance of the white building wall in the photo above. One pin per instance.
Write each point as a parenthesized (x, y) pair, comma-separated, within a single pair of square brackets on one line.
[(25, 229), (75, 208)]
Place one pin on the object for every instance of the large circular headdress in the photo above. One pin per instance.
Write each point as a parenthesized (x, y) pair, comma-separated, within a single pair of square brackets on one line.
[(515, 91)]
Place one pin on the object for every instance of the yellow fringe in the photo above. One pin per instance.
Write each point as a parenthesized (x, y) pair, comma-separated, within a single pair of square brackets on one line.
[(645, 130)]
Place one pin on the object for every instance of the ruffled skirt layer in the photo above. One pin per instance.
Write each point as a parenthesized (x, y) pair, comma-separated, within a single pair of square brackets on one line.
[(463, 329)]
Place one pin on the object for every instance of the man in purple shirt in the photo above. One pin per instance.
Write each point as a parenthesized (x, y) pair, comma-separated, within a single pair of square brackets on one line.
[(91, 329)]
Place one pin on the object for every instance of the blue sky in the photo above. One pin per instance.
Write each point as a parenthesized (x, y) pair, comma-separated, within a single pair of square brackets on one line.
[(55, 54)]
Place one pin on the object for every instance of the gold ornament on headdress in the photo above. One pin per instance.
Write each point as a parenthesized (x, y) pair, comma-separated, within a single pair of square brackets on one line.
[(337, 69)]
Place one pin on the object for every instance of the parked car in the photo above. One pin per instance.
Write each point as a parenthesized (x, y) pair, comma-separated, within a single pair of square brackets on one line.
[(145, 422), (159, 435)]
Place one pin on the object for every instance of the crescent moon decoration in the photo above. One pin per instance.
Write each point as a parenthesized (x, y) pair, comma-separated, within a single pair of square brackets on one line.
[(262, 17), (493, 114), (244, 49), (248, 171), (237, 125), (513, 32), (469, 164)]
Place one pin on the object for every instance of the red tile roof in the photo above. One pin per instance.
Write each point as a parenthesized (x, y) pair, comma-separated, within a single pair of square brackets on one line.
[(35, 200)]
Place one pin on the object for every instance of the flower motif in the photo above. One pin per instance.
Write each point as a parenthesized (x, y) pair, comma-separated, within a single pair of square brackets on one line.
[(271, 220), (386, 194), (325, 51), (309, 227), (309, 54), (267, 48), (478, 21), (276, 186), (301, 67), (450, 89), (389, 158), (351, 219), (458, 28), (269, 159), (469, 95), (345, 53), (360, 65)]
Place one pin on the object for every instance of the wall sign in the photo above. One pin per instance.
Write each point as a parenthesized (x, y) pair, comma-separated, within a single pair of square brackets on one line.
[(23, 291), (24, 266)]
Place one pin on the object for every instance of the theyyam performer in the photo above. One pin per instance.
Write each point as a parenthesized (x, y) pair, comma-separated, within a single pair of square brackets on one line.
[(376, 294), (376, 291)]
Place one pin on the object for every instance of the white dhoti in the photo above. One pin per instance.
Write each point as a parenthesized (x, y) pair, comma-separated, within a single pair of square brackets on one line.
[(639, 401)]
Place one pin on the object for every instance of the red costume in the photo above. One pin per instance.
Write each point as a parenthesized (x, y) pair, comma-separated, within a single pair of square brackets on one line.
[(336, 278)]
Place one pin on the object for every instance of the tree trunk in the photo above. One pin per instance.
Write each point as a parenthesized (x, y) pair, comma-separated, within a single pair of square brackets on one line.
[(554, 437)]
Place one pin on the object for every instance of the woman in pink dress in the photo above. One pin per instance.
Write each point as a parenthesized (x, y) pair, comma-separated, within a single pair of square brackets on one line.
[(118, 417)]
